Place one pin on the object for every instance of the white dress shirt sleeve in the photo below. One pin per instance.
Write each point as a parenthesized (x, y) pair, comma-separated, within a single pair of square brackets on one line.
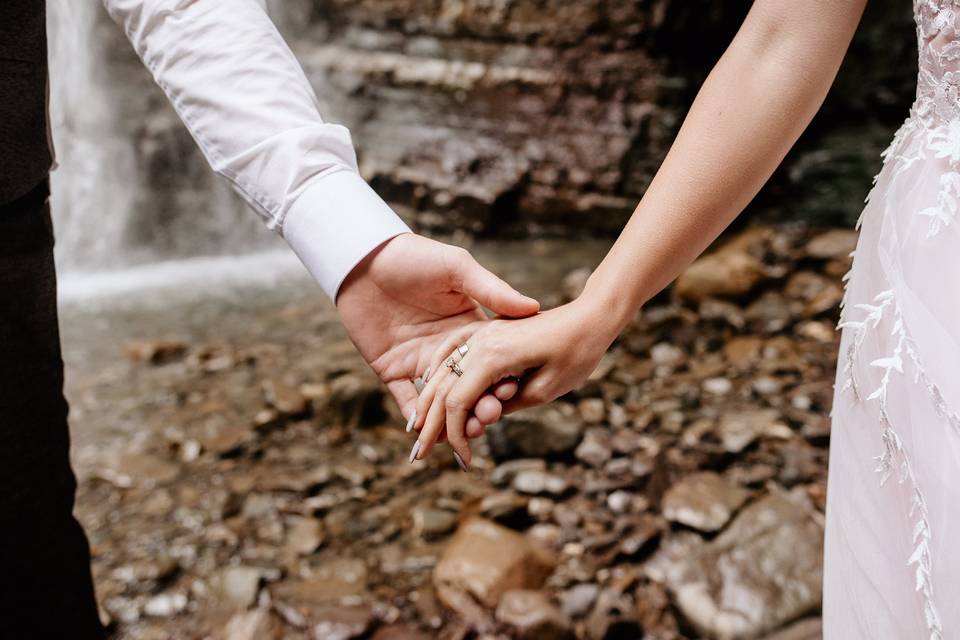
[(246, 101)]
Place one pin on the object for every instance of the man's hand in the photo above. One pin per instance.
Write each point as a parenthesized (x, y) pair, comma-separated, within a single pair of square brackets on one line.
[(413, 297)]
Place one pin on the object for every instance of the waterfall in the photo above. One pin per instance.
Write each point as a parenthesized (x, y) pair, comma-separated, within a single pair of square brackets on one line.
[(131, 187), (94, 186)]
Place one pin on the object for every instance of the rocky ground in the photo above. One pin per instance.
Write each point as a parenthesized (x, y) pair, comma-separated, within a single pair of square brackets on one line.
[(240, 488)]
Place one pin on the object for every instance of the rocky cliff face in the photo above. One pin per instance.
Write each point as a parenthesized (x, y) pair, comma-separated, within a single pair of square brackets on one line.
[(532, 116)]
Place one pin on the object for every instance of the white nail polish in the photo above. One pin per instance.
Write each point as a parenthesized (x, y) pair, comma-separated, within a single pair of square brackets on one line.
[(426, 376), (414, 451), (463, 467), (411, 420)]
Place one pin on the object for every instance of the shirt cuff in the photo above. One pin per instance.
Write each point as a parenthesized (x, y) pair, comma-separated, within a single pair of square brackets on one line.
[(335, 223)]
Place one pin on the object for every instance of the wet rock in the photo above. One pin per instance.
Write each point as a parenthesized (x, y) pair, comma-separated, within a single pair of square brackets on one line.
[(486, 560), (330, 582), (259, 624), (146, 575), (770, 313), (125, 469), (729, 272), (760, 573), (592, 410), (156, 352), (236, 587), (165, 605), (717, 386), (430, 523), (506, 471), (341, 623), (507, 508), (224, 439), (578, 600), (739, 429), (833, 244), (287, 400), (666, 354), (305, 536), (743, 351), (552, 430), (613, 617), (819, 294), (356, 472), (295, 482), (721, 310), (531, 616), (704, 501), (538, 482), (596, 447), (356, 401)]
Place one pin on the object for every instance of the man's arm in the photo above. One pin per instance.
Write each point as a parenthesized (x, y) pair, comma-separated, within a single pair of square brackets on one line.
[(246, 101)]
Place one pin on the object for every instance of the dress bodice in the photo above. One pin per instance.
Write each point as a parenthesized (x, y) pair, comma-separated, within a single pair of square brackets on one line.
[(938, 83)]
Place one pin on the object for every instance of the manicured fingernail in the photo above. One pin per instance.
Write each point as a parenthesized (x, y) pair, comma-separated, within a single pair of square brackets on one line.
[(414, 451), (426, 376), (411, 420), (419, 384), (463, 467)]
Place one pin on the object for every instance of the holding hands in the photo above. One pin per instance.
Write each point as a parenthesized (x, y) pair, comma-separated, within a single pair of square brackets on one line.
[(547, 355)]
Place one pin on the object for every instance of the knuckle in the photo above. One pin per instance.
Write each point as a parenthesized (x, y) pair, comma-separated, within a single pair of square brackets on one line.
[(455, 404)]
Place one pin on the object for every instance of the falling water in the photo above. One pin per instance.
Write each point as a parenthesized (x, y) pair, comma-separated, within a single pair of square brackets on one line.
[(94, 186), (130, 188)]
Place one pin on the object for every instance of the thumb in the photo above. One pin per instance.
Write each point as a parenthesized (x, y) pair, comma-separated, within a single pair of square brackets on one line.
[(492, 292)]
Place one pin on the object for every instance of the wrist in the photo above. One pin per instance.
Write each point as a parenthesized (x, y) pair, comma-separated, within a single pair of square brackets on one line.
[(607, 309)]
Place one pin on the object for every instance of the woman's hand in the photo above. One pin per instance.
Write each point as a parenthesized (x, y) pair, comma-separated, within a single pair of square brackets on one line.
[(550, 353)]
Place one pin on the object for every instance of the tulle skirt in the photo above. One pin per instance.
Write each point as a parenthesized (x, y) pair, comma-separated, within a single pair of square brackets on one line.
[(893, 498)]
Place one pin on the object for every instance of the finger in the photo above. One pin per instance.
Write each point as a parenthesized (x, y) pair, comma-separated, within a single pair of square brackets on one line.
[(437, 367), (490, 291), (534, 391), (506, 389), (475, 428), (405, 393), (488, 409), (479, 373), (435, 421)]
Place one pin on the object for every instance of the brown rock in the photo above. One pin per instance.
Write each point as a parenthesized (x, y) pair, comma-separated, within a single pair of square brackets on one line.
[(742, 351), (762, 572), (430, 523), (592, 410), (531, 616), (739, 429), (732, 271), (156, 352), (236, 587), (331, 582), (340, 623), (287, 400), (834, 244), (486, 560), (705, 501), (125, 469), (305, 536), (536, 433), (259, 624), (356, 401), (818, 293)]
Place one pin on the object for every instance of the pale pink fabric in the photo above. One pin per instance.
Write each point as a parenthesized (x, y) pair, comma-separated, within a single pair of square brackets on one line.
[(892, 569)]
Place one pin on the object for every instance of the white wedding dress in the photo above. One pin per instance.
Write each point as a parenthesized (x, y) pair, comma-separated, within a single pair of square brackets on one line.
[(892, 556)]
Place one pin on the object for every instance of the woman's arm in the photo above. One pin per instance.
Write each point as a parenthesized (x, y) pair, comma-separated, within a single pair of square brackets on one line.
[(752, 108), (750, 111)]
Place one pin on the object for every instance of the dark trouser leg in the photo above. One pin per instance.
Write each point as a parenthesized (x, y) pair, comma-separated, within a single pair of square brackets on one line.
[(44, 554)]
